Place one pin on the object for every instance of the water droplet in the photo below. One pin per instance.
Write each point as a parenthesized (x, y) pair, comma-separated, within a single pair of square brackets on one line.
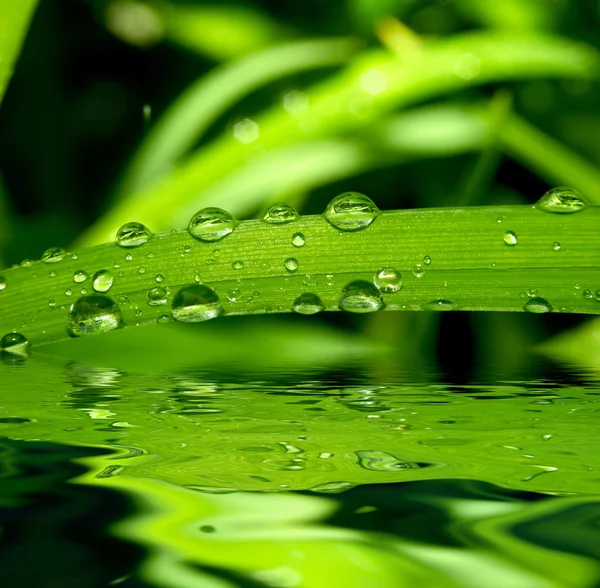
[(159, 278), (52, 303), (561, 200), (537, 306), (237, 265), (532, 292), (246, 131), (388, 280), (163, 318), (80, 276), (587, 294), (14, 343), (351, 211), (597, 295), (291, 264), (556, 246), (510, 238), (234, 295), (27, 263), (280, 214), (380, 461), (440, 304), (418, 270), (427, 260), (129, 257), (94, 314), (360, 296), (102, 281), (156, 296), (68, 292), (499, 220), (141, 270), (308, 303), (211, 224), (196, 303), (2, 283), (53, 255), (133, 235), (298, 240)]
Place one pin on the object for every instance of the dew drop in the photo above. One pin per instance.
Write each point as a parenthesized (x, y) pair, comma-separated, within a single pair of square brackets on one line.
[(562, 201), (53, 255), (597, 295), (280, 214), (68, 292), (298, 240), (308, 303), (351, 211), (234, 295), (2, 283), (159, 278), (27, 263), (388, 280), (427, 260), (129, 257), (537, 306), (440, 304), (141, 270), (418, 271), (102, 281), (211, 224), (588, 295), (163, 318), (237, 265), (291, 264), (360, 296), (196, 303), (510, 238), (133, 235), (532, 292), (156, 296), (556, 246), (14, 343), (95, 313), (80, 276)]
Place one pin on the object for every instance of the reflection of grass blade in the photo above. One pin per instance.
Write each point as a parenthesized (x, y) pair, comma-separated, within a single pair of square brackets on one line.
[(373, 85), (190, 115), (14, 20), (471, 267)]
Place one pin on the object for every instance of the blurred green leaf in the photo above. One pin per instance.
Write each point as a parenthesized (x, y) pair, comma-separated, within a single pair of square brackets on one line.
[(186, 120), (517, 15), (578, 346), (14, 21)]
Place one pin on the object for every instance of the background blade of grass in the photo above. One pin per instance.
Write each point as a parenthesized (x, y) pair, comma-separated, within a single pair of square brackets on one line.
[(14, 20), (348, 102)]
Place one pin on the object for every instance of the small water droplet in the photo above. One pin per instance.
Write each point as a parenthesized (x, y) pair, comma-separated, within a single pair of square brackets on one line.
[(280, 214), (133, 235), (156, 296), (141, 270), (562, 201), (418, 270), (196, 303), (159, 278), (14, 343), (298, 240), (597, 295), (510, 238), (53, 255), (211, 224), (68, 292), (246, 131), (102, 281), (499, 220), (360, 296), (537, 306), (427, 260), (94, 314), (351, 211), (237, 265), (308, 303), (163, 318), (27, 263), (2, 283), (234, 295), (388, 280), (588, 295), (532, 292), (52, 303), (291, 264), (80, 276), (129, 257), (556, 246), (440, 304)]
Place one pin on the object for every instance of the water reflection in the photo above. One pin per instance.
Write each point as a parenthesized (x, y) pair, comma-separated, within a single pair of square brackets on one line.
[(304, 480)]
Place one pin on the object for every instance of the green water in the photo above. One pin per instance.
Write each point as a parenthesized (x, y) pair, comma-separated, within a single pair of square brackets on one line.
[(337, 475)]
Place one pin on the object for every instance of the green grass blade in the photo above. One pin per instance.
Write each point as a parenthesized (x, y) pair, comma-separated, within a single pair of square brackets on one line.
[(190, 115), (14, 21), (342, 104), (471, 267)]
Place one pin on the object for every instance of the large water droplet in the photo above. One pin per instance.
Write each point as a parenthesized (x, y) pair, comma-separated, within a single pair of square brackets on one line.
[(351, 211), (133, 235), (308, 303), (196, 303), (298, 240), (95, 313), (156, 296), (360, 296), (280, 214), (211, 224), (510, 238), (14, 342), (53, 255), (102, 281), (562, 201), (537, 305), (388, 280)]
